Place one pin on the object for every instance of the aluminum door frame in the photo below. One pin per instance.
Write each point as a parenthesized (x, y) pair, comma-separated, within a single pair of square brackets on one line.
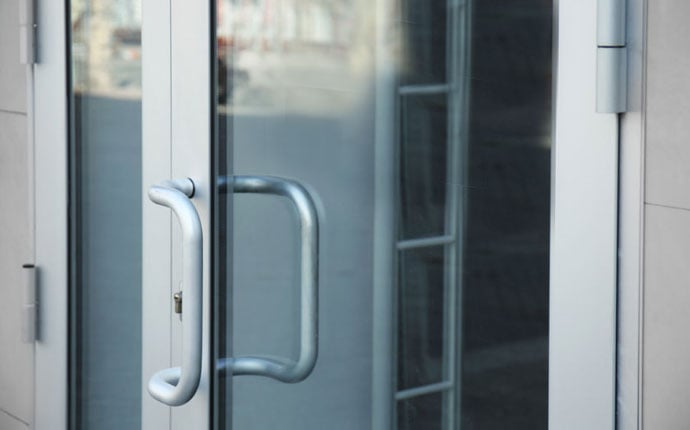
[(50, 167), (176, 109), (50, 130), (584, 232)]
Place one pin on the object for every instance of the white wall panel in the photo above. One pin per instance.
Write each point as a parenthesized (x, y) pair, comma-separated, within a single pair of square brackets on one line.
[(666, 320), (16, 370), (16, 358), (12, 73)]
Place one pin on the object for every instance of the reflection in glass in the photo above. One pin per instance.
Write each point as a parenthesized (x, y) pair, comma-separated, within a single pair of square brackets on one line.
[(421, 315), (106, 47), (456, 95), (425, 41), (105, 196), (421, 413), (505, 282), (294, 100), (423, 159)]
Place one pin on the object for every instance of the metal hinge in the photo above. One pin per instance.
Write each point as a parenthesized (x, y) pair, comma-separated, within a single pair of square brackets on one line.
[(27, 32), (30, 305), (612, 57)]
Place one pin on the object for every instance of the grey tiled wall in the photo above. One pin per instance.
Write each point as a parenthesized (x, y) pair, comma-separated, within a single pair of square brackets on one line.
[(666, 327), (16, 358)]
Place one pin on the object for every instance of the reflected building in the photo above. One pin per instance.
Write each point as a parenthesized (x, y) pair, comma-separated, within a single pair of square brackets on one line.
[(106, 47)]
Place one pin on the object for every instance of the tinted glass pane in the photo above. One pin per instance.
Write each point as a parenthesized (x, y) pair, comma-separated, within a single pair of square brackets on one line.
[(506, 252), (423, 163), (424, 41), (432, 120), (105, 350), (421, 333), (421, 413)]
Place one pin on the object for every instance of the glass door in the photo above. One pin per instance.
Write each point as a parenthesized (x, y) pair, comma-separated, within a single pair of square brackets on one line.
[(417, 136), (348, 217)]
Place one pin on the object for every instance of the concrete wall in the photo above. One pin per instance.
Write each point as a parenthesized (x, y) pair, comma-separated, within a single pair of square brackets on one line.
[(16, 358), (666, 293)]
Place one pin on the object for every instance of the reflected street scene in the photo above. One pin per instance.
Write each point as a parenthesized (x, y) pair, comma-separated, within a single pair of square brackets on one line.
[(105, 141)]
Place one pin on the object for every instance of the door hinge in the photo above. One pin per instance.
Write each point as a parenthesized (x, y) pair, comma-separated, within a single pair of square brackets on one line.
[(29, 307), (27, 32), (612, 57)]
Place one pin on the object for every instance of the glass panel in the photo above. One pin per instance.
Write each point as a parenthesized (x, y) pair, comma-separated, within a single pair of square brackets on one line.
[(105, 254), (506, 248), (424, 41), (422, 130), (423, 160), (421, 317), (421, 413)]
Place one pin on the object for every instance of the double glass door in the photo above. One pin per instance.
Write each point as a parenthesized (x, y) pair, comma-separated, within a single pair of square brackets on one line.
[(376, 211), (345, 215)]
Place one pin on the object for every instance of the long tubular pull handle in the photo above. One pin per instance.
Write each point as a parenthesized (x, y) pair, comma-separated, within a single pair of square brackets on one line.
[(285, 369), (176, 386)]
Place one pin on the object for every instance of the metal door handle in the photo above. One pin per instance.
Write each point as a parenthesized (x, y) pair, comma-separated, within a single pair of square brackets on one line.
[(285, 369), (176, 385)]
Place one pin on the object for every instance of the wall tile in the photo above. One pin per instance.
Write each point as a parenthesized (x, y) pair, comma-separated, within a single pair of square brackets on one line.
[(16, 371), (12, 73), (668, 104), (666, 356), (8, 422)]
